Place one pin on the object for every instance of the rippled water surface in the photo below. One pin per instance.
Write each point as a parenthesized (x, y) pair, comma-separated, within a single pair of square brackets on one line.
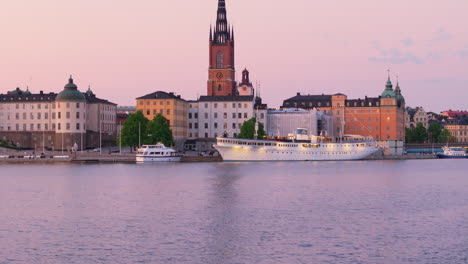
[(328, 212)]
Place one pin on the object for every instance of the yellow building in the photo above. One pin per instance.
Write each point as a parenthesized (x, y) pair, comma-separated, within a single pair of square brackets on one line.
[(171, 106)]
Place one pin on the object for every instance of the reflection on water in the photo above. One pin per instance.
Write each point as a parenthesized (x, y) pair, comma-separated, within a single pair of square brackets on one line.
[(304, 212)]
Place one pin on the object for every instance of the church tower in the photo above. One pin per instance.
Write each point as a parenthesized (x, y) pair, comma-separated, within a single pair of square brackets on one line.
[(221, 74)]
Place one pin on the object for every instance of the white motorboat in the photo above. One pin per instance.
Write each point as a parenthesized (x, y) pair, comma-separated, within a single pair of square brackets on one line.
[(156, 153)]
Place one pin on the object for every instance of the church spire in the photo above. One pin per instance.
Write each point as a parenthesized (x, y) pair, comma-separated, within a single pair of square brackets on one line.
[(221, 34)]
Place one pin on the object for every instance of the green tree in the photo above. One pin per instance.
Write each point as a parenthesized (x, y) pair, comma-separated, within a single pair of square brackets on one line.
[(248, 130), (445, 136), (433, 132), (409, 132), (158, 130), (132, 128), (419, 133)]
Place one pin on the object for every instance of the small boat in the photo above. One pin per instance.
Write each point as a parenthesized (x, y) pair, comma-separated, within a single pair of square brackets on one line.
[(156, 153), (453, 153)]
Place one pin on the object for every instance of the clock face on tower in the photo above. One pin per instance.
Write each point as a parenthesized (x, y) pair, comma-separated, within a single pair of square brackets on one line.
[(219, 75)]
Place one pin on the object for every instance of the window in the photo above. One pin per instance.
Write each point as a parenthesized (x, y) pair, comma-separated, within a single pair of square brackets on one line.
[(77, 105), (219, 60), (206, 105), (206, 135), (68, 126), (161, 111), (68, 115), (206, 125), (31, 116), (196, 115), (206, 115), (68, 105), (215, 115), (225, 125), (31, 127), (239, 115), (38, 115), (168, 111), (225, 115), (215, 125), (196, 125), (147, 112), (215, 105), (233, 115), (154, 112), (38, 126), (190, 115), (245, 115), (190, 125), (77, 126), (220, 88), (24, 115), (233, 125), (78, 115), (17, 116), (262, 115), (233, 105)]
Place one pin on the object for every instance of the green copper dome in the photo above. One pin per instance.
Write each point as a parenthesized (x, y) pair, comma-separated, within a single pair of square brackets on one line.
[(70, 93), (389, 92)]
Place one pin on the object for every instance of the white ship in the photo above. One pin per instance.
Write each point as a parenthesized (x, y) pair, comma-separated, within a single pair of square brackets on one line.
[(156, 153), (349, 147)]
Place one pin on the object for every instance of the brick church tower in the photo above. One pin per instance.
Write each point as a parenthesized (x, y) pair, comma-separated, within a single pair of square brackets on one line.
[(221, 76)]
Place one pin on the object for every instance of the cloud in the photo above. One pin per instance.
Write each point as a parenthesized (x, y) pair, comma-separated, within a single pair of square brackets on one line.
[(463, 53), (441, 35), (396, 56), (407, 42)]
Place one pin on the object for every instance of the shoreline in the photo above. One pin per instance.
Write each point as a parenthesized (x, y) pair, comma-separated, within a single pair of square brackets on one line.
[(130, 159)]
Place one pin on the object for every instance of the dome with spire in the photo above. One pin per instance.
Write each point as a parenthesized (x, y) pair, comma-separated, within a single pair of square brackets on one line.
[(388, 92), (399, 96), (70, 93)]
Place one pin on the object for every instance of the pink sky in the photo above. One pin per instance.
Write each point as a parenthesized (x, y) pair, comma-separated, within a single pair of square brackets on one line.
[(126, 49)]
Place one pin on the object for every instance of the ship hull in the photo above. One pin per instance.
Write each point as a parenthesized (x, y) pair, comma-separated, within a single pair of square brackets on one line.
[(295, 152)]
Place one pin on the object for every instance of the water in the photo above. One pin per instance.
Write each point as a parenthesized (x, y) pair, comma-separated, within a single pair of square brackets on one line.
[(316, 212)]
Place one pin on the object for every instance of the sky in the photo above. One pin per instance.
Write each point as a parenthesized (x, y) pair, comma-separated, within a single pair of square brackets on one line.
[(126, 49)]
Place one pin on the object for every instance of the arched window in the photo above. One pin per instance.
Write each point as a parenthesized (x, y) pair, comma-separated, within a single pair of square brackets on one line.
[(220, 88), (219, 60)]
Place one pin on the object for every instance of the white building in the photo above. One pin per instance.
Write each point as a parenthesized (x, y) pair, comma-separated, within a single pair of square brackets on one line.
[(285, 122), (56, 121)]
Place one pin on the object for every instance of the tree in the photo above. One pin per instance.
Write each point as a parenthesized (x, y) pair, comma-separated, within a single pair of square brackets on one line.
[(445, 136), (158, 130), (433, 132), (248, 130), (419, 133), (134, 126), (409, 135)]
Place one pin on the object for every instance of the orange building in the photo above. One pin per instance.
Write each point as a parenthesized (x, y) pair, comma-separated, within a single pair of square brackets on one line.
[(173, 107), (381, 117)]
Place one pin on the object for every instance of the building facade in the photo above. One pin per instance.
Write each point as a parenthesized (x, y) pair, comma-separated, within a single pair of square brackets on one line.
[(282, 123), (458, 128), (171, 106), (381, 117), (56, 121), (413, 116)]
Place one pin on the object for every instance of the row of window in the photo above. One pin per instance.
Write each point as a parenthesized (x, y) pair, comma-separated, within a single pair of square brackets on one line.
[(39, 116), (225, 105), (155, 103), (363, 128), (225, 115), (161, 111), (40, 127)]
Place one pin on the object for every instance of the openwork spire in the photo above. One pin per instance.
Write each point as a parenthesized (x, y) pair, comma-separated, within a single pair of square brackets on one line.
[(221, 34)]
